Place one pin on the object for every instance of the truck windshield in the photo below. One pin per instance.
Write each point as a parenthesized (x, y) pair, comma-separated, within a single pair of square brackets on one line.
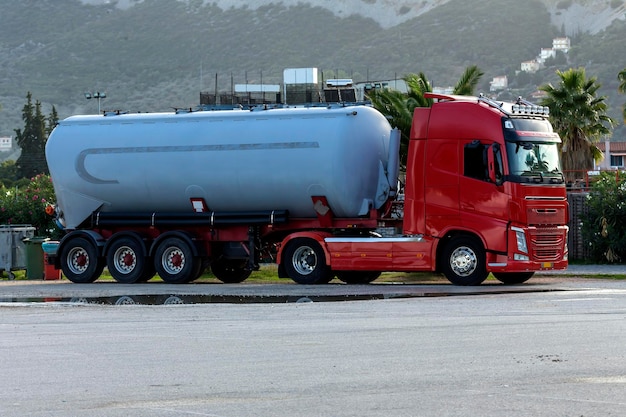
[(532, 151), (535, 162)]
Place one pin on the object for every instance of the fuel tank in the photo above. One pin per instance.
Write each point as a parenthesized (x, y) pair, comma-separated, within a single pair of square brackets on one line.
[(234, 160)]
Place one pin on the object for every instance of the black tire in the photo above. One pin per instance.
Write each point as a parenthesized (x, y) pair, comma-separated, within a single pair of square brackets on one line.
[(175, 263), (511, 278), (125, 260), (148, 272), (463, 261), (357, 277), (230, 271), (305, 263), (80, 262)]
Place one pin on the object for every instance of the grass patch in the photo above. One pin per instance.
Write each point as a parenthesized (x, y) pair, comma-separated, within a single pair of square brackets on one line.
[(268, 273)]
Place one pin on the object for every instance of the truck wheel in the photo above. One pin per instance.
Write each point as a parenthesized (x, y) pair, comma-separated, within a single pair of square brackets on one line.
[(148, 271), (125, 260), (357, 277), (229, 271), (511, 278), (463, 261), (80, 262), (175, 263), (305, 263)]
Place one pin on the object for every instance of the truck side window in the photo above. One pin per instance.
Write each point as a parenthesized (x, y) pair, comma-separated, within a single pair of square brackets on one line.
[(475, 161)]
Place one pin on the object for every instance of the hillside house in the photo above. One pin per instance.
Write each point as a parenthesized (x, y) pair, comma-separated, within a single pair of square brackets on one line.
[(6, 144), (561, 44), (499, 83), (545, 54), (530, 66)]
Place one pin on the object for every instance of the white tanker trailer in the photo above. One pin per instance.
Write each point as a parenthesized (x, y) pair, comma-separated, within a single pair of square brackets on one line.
[(312, 189), (126, 182)]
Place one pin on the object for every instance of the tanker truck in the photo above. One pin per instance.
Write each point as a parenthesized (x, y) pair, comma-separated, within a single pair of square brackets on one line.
[(316, 190)]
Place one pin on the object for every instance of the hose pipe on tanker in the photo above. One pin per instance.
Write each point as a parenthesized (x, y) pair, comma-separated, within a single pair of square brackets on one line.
[(393, 161)]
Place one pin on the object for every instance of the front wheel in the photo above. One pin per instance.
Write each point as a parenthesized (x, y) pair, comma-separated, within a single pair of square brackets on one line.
[(511, 278), (305, 263), (80, 261), (463, 261)]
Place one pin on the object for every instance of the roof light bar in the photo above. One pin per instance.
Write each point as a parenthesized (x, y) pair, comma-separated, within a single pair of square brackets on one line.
[(531, 110)]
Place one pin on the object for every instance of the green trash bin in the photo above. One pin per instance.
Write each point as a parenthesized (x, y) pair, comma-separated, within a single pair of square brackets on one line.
[(34, 257)]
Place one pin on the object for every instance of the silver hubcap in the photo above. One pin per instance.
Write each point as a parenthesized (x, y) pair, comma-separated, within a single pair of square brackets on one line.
[(173, 260), (304, 260), (78, 261), (125, 260), (463, 261)]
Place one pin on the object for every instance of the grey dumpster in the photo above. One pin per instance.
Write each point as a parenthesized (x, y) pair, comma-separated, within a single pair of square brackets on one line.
[(12, 248)]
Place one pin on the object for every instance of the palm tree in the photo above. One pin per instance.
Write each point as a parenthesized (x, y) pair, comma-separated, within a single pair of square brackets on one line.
[(468, 81), (399, 107), (579, 117), (621, 76)]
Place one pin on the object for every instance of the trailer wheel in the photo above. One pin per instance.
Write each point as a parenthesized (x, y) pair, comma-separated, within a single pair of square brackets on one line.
[(305, 263), (80, 262), (230, 271), (126, 262), (148, 271), (175, 263), (357, 277), (510, 278), (463, 261)]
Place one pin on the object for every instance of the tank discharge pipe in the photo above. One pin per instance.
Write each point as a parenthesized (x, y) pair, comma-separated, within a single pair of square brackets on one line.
[(393, 160)]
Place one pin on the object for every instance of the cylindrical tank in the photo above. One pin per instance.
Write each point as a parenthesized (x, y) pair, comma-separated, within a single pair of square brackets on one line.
[(236, 160)]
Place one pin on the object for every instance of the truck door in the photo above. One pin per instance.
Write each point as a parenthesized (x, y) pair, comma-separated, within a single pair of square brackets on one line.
[(483, 201)]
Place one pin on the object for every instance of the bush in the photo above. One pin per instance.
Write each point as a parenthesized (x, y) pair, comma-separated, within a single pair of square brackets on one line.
[(604, 227), (26, 204)]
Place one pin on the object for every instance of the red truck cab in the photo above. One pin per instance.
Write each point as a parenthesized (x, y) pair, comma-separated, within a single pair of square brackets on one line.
[(487, 175)]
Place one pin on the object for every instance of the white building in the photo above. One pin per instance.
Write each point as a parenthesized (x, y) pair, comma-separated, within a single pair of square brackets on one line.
[(561, 44), (614, 155), (6, 144), (545, 54), (530, 66), (500, 82)]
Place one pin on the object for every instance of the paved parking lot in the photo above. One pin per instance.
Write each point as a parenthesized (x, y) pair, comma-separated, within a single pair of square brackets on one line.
[(577, 277)]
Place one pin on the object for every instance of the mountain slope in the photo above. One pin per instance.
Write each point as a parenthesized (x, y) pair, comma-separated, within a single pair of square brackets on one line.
[(157, 54)]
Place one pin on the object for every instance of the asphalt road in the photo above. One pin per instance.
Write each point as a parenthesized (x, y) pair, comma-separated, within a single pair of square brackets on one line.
[(556, 351)]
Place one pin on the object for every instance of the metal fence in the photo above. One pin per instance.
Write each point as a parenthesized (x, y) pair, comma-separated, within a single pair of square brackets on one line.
[(578, 211)]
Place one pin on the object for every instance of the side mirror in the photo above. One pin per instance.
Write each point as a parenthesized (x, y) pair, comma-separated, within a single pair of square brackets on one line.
[(494, 164)]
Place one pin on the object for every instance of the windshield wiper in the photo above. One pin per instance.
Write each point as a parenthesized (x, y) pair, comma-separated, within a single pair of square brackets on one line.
[(559, 179), (533, 176)]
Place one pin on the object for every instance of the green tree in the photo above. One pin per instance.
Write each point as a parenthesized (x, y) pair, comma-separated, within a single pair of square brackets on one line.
[(8, 172), (32, 140), (399, 107), (621, 76), (603, 227), (579, 117)]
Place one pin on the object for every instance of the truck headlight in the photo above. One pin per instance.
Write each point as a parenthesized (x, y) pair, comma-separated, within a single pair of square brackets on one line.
[(520, 237)]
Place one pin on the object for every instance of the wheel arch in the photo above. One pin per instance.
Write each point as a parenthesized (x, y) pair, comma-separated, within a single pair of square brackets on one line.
[(449, 236), (94, 237), (318, 236), (131, 234), (196, 248)]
